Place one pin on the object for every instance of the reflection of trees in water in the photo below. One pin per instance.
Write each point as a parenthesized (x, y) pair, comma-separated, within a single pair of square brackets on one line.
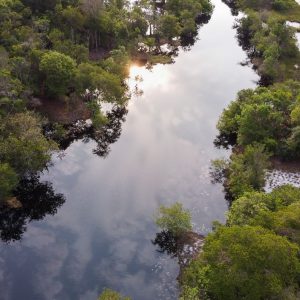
[(244, 37), (166, 242), (36, 200), (225, 140), (233, 6), (111, 132), (184, 247), (104, 137), (170, 48), (219, 173)]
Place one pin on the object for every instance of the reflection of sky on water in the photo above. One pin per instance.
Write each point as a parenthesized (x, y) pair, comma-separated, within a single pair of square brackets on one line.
[(102, 236)]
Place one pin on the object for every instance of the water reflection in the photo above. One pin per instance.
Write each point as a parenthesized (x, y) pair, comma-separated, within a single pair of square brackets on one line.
[(166, 242), (108, 134), (244, 37), (34, 200), (184, 248)]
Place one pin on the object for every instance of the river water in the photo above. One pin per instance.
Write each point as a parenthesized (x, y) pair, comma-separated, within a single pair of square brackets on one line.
[(101, 236)]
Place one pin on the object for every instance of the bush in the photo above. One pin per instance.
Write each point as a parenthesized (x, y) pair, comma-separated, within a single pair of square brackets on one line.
[(111, 295), (247, 170), (174, 219), (58, 70), (23, 145)]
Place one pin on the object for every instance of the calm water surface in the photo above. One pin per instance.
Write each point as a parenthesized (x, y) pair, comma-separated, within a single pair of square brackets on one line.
[(101, 237)]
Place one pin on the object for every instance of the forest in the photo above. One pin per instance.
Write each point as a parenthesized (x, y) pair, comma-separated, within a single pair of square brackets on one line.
[(76, 55), (63, 61)]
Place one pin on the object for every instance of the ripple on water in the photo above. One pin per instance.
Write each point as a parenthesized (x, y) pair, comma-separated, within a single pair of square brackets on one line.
[(276, 178)]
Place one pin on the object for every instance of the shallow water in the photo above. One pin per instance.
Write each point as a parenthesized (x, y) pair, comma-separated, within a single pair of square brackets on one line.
[(101, 236)]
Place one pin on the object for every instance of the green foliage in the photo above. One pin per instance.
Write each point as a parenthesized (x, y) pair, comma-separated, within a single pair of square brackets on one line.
[(169, 26), (189, 293), (266, 4), (283, 4), (58, 70), (92, 77), (266, 116), (244, 263), (247, 207), (22, 144), (108, 294), (278, 211), (254, 206), (269, 41), (8, 181), (247, 170), (174, 219)]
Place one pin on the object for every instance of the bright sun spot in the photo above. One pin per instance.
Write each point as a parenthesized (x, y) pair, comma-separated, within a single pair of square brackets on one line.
[(159, 76)]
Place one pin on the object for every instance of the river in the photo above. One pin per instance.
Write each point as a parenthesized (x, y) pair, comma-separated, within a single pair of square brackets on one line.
[(101, 236)]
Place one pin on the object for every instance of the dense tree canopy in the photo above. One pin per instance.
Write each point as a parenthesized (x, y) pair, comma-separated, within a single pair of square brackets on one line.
[(245, 263), (265, 115), (23, 148), (58, 70), (246, 171)]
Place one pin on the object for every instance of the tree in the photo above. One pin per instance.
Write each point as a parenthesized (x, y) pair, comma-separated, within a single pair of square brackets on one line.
[(8, 181), (264, 115), (259, 123), (22, 143), (248, 263), (57, 69), (246, 208), (169, 26), (112, 295), (174, 219), (247, 170), (253, 207), (278, 211)]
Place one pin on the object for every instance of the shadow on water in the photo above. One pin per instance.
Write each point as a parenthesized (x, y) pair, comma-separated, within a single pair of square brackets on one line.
[(35, 200), (82, 130), (166, 243), (184, 247)]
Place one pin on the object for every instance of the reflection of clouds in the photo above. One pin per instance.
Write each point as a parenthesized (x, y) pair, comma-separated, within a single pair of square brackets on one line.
[(90, 294), (137, 283), (52, 253), (71, 163), (80, 256), (5, 282)]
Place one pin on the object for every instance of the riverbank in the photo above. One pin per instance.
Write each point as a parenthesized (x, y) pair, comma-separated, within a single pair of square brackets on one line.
[(271, 43)]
